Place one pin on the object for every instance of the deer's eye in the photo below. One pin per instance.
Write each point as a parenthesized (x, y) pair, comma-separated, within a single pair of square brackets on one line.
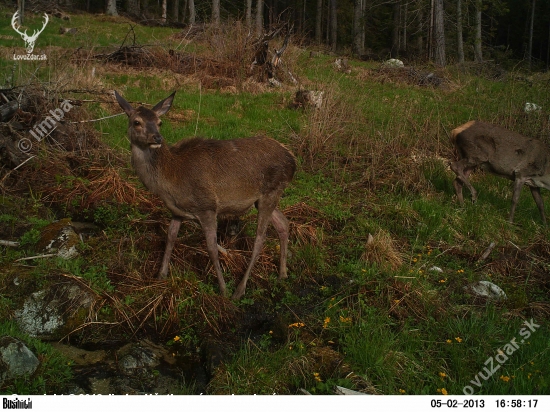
[(137, 123)]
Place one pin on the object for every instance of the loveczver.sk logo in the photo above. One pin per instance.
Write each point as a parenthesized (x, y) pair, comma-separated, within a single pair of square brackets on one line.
[(29, 40)]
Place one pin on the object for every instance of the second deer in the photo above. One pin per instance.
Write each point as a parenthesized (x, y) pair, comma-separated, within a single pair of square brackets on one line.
[(202, 179), (503, 153)]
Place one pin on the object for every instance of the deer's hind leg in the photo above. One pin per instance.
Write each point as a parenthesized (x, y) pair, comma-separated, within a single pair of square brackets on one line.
[(280, 223), (535, 191), (265, 205), (463, 168)]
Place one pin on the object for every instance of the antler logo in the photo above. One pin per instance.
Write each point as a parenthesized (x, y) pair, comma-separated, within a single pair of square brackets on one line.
[(29, 40)]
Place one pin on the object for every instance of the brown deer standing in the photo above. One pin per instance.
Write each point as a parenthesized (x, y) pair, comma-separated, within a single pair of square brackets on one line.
[(201, 179), (503, 153)]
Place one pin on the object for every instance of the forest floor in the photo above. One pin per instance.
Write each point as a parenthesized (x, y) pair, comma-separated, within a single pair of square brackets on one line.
[(390, 315)]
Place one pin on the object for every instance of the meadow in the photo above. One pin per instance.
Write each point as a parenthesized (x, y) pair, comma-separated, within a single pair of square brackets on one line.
[(382, 255)]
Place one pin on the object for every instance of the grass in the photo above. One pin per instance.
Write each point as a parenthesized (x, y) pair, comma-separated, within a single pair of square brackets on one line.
[(372, 161)]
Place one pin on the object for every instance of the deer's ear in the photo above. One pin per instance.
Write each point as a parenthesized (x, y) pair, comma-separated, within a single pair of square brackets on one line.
[(164, 105), (124, 104)]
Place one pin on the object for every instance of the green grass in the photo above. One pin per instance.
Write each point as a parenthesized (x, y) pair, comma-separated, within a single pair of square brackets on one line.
[(53, 374), (404, 330)]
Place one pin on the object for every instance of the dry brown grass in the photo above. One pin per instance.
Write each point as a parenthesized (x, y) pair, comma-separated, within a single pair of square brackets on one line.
[(380, 250), (328, 127)]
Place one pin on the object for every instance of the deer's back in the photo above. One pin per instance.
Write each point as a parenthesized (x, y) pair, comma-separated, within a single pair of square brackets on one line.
[(225, 175), (501, 151)]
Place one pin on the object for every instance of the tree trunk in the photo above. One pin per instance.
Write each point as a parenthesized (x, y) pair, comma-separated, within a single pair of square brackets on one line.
[(431, 32), (405, 13), (333, 25), (164, 10), (21, 10), (439, 34), (357, 20), (477, 42), (459, 39), (318, 21), (395, 29), (176, 10), (132, 7), (111, 8), (363, 24), (184, 10), (192, 12), (249, 13), (420, 29), (530, 48), (259, 17), (216, 12)]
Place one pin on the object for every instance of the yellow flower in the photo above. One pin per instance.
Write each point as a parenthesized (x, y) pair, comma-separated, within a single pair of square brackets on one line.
[(443, 391), (442, 374), (295, 325), (442, 280), (176, 338), (415, 260), (458, 339), (317, 377), (449, 341), (345, 320), (271, 332), (504, 378), (326, 322), (402, 391)]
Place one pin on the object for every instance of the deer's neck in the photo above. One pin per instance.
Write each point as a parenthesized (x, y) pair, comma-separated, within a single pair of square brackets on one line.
[(148, 163)]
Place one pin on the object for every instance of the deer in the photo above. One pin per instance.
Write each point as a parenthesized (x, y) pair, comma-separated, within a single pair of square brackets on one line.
[(29, 40), (201, 179), (503, 153)]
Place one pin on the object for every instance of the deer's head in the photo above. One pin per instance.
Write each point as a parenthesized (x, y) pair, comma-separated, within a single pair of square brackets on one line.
[(29, 40), (144, 123)]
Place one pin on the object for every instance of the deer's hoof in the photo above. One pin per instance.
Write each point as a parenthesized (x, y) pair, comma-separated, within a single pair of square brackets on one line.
[(238, 294)]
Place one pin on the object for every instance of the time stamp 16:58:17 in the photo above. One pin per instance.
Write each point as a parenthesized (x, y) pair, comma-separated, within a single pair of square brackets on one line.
[(480, 403)]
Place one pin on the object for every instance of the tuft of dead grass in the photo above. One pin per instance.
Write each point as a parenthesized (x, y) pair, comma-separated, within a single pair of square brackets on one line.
[(329, 126), (381, 251)]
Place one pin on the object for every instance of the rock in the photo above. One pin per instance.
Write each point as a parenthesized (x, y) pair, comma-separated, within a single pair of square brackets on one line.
[(67, 30), (393, 63), (52, 313), (486, 290), (340, 390), (80, 357), (342, 66), (531, 107), (134, 358), (60, 237), (435, 269), (308, 98), (15, 359)]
